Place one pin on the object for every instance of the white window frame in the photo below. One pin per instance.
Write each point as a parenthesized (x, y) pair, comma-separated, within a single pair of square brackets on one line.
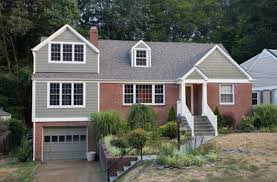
[(147, 57), (61, 61), (233, 93), (134, 94), (72, 95)]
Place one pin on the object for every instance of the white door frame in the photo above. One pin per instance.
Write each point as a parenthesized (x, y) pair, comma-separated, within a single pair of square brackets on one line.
[(191, 97)]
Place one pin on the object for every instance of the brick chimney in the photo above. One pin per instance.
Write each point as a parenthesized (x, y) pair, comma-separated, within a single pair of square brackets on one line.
[(93, 36)]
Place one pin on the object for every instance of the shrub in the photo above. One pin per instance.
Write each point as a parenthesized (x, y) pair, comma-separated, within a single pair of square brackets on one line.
[(229, 120), (105, 123), (3, 127), (113, 151), (154, 138), (265, 115), (223, 130), (119, 142), (220, 119), (17, 129), (247, 124), (212, 156), (137, 138), (24, 151), (169, 130), (171, 114), (141, 116)]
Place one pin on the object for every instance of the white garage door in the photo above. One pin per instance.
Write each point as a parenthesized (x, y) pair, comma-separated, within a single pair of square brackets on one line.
[(64, 143)]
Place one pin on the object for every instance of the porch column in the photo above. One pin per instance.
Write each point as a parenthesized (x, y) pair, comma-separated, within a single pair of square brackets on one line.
[(182, 95), (204, 98)]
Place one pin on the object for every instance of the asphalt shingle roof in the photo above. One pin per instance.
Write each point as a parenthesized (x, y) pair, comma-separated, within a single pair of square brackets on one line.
[(169, 61)]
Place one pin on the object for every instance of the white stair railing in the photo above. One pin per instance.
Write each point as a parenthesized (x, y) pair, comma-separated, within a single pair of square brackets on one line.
[(212, 118), (183, 110)]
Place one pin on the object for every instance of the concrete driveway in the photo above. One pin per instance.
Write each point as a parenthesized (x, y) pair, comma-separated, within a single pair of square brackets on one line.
[(68, 171)]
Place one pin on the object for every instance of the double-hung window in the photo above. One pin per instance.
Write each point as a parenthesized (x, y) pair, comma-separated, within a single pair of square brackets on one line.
[(143, 94), (141, 57), (226, 94), (67, 52), (66, 94), (254, 98)]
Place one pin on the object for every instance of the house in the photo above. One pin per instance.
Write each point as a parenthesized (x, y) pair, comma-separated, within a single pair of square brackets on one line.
[(262, 68), (73, 77), (4, 115)]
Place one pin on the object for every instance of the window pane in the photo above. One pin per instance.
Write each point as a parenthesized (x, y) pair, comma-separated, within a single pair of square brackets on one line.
[(54, 94), (141, 58), (128, 94), (46, 138), (143, 93), (67, 52), (68, 138), (254, 98), (226, 89), (83, 137), (75, 138), (79, 53), (78, 93), (159, 91), (159, 99), (61, 138), (54, 138), (55, 52), (66, 94), (226, 98)]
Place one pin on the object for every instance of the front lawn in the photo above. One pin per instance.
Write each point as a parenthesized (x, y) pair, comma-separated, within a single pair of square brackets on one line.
[(17, 171), (244, 157)]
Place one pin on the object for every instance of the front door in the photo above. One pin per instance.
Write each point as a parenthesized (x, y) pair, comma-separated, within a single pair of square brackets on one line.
[(188, 97)]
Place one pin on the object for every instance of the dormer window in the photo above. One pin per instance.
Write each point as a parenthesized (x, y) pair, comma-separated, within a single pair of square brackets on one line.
[(141, 55), (66, 52)]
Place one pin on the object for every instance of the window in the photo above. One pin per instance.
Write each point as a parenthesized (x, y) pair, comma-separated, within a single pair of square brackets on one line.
[(54, 138), (46, 138), (68, 138), (254, 98), (75, 138), (227, 94), (61, 138), (83, 137), (144, 94), (66, 94), (141, 58), (67, 52)]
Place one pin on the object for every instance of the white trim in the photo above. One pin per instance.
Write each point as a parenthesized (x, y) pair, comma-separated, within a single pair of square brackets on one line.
[(261, 56), (60, 97), (34, 141), (33, 100), (229, 81), (191, 97), (134, 50), (232, 61), (77, 119), (61, 61), (134, 94), (233, 93), (264, 88), (34, 61), (98, 63), (98, 95), (100, 80), (191, 71), (60, 31)]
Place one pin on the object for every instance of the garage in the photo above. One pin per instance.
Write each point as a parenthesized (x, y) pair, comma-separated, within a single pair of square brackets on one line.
[(64, 143)]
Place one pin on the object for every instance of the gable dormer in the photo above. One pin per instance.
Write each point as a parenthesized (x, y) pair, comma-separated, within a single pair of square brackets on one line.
[(141, 55)]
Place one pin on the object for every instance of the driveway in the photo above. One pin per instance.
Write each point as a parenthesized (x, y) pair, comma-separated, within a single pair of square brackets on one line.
[(68, 171)]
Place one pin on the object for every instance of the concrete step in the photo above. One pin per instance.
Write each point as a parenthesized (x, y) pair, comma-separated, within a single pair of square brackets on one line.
[(204, 133)]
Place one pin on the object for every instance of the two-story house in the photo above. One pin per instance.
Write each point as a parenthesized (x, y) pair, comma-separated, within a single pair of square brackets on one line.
[(74, 77)]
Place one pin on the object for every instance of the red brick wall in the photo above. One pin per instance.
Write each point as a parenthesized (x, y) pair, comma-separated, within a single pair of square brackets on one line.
[(111, 97), (243, 100), (38, 137)]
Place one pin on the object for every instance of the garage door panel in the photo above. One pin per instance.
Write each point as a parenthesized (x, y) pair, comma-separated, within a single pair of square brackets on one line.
[(64, 150)]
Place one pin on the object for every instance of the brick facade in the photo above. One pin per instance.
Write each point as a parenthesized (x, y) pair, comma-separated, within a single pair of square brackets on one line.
[(38, 138), (111, 97), (243, 100)]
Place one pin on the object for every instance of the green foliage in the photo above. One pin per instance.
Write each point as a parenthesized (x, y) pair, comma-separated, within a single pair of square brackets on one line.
[(24, 151), (247, 124), (137, 138), (141, 116), (169, 130), (265, 115), (229, 121), (220, 119), (105, 123), (17, 129), (3, 127), (113, 150), (119, 142), (171, 114)]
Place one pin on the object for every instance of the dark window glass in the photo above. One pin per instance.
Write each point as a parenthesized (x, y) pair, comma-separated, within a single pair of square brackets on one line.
[(66, 94), (254, 98), (83, 137), (75, 138), (67, 52), (128, 94), (68, 138), (79, 53), (141, 58), (54, 138), (159, 94), (54, 94), (46, 138), (78, 94), (55, 52), (61, 138)]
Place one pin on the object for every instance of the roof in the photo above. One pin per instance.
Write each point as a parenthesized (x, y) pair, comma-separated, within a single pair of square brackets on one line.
[(3, 113), (262, 68), (170, 61)]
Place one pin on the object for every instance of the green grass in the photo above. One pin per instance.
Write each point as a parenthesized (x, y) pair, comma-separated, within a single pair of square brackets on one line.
[(17, 171)]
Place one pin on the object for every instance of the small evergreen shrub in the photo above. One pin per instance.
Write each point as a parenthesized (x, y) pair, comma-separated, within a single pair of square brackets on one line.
[(24, 151), (220, 119), (171, 114), (137, 138), (105, 123), (141, 116), (247, 124), (229, 121), (265, 116), (169, 130)]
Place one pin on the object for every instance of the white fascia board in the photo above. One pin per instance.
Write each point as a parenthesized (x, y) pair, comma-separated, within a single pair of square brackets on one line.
[(273, 87), (232, 61), (141, 42), (60, 31), (62, 119), (191, 71)]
